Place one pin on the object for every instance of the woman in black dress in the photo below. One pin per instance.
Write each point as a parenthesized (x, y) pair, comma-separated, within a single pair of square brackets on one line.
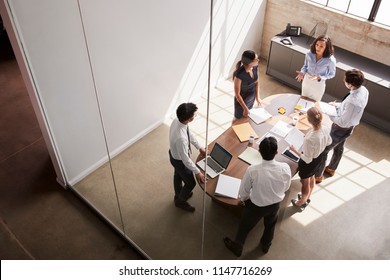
[(246, 84)]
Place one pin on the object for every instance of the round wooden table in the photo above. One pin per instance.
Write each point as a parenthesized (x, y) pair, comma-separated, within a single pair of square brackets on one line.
[(230, 141)]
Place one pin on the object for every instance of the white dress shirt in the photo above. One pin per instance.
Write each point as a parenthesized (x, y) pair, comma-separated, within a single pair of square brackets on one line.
[(265, 183), (179, 146), (350, 111), (314, 143)]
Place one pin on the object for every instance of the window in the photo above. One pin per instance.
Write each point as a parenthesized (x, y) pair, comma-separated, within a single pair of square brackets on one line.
[(382, 16), (341, 5), (361, 8), (373, 10)]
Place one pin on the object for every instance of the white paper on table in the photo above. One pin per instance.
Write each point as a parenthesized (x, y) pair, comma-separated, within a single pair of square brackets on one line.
[(304, 105), (281, 128), (295, 137), (259, 115), (227, 186), (268, 134), (328, 109)]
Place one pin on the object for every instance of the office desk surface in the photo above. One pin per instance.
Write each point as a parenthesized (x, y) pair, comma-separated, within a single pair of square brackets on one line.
[(230, 141)]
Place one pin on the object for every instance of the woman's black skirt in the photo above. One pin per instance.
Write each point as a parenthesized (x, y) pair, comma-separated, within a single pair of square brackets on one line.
[(306, 170)]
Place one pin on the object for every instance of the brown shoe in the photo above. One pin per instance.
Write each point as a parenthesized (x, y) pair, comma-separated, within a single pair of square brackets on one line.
[(319, 179), (329, 171)]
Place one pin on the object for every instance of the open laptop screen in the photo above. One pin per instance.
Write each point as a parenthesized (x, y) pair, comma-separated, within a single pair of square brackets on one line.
[(221, 156)]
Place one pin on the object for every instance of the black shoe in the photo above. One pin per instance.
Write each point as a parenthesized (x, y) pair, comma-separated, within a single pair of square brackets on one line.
[(232, 246), (299, 197), (184, 205), (301, 207), (264, 248), (188, 197)]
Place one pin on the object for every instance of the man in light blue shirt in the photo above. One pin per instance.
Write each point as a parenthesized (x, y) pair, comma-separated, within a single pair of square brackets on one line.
[(349, 113)]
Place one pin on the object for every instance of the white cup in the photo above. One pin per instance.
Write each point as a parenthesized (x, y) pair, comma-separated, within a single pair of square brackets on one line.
[(251, 138), (295, 120)]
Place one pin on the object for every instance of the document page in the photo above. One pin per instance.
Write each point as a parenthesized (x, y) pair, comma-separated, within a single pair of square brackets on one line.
[(303, 105), (328, 109), (268, 134), (281, 128), (259, 115), (295, 137)]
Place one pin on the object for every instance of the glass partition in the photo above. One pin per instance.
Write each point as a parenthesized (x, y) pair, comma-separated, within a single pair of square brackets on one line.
[(110, 76), (142, 72), (53, 48), (151, 73)]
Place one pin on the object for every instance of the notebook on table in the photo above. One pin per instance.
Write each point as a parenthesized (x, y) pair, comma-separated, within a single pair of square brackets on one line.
[(217, 161), (251, 156), (228, 186)]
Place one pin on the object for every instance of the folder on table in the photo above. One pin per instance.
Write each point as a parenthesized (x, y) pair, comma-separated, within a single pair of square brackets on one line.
[(251, 156), (227, 186), (243, 131)]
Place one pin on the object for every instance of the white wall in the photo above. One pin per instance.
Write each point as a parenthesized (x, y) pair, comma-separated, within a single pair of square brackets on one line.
[(139, 52), (146, 57), (52, 38), (238, 26)]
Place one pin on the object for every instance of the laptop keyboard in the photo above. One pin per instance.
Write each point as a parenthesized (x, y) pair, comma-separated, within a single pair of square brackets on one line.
[(213, 165)]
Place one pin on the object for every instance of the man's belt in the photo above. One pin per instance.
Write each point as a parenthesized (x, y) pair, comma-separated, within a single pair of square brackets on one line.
[(342, 128)]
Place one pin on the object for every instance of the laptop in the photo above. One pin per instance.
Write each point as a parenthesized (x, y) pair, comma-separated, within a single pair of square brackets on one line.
[(217, 161)]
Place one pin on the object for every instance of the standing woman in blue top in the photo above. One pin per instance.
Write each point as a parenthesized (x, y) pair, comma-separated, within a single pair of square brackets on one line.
[(246, 84), (319, 66)]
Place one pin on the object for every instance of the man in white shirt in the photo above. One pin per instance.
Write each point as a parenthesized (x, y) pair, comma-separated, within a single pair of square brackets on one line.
[(180, 140), (262, 189), (349, 113)]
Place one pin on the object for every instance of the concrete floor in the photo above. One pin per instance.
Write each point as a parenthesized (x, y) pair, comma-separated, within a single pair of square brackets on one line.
[(347, 218)]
